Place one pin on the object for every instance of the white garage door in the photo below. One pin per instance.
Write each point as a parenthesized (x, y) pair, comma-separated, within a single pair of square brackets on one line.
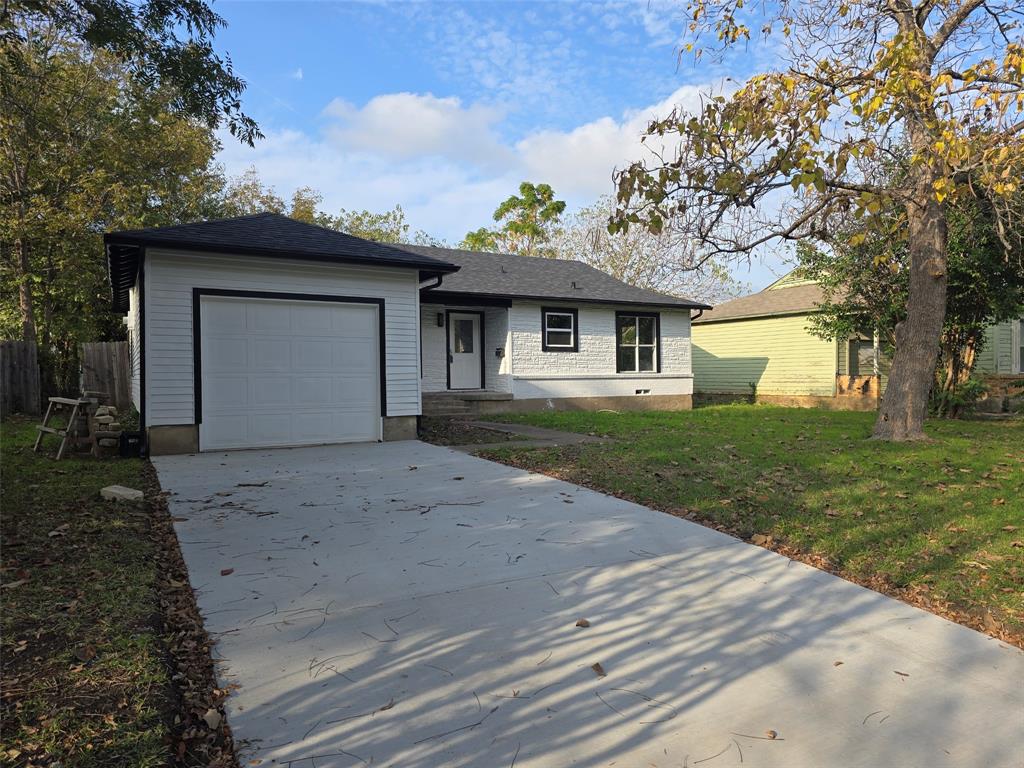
[(277, 373)]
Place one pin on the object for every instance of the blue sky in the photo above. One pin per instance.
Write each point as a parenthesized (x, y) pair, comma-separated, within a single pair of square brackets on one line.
[(446, 107)]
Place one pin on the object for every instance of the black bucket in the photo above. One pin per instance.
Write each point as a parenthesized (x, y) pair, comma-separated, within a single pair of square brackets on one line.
[(130, 445)]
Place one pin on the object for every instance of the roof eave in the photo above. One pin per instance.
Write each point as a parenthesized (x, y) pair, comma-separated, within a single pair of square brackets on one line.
[(757, 316), (443, 294), (434, 266)]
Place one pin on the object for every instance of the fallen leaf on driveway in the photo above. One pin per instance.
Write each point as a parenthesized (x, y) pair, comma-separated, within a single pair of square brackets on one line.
[(901, 674), (837, 663), (413, 467), (582, 623), (771, 734), (227, 571), (598, 669)]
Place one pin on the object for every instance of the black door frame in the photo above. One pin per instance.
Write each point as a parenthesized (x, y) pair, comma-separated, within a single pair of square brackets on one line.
[(448, 347)]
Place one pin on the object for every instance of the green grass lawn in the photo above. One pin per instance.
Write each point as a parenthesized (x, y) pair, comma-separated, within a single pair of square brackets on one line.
[(86, 681), (938, 523)]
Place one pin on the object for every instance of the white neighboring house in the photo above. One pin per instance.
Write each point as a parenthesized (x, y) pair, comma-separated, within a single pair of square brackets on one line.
[(264, 331)]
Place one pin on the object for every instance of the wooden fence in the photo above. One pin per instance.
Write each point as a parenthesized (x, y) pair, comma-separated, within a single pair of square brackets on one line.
[(19, 378), (106, 367)]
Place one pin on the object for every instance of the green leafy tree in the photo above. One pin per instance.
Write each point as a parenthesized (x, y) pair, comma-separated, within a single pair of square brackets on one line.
[(246, 195), (382, 227), (306, 205), (164, 45), (84, 149), (528, 222), (865, 278), (790, 149)]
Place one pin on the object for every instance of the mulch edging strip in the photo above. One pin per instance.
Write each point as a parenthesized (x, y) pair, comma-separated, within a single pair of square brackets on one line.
[(200, 700)]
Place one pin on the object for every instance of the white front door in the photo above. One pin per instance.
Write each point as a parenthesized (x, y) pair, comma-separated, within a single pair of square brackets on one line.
[(281, 372), (464, 353)]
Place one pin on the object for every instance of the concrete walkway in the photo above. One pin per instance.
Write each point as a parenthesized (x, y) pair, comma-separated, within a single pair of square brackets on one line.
[(402, 604)]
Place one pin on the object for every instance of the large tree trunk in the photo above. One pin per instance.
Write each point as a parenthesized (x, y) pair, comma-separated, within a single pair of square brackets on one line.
[(905, 404), (24, 267)]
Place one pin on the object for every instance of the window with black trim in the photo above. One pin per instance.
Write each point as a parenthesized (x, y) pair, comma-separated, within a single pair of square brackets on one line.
[(559, 330), (636, 342)]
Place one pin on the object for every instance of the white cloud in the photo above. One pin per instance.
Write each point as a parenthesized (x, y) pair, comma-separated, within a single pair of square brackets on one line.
[(581, 161), (410, 125), (296, 74), (445, 162)]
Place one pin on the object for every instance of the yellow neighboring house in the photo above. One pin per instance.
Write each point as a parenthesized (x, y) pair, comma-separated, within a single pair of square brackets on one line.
[(760, 347)]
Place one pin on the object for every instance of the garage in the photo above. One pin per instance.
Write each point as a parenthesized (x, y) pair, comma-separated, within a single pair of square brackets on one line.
[(285, 372), (264, 332)]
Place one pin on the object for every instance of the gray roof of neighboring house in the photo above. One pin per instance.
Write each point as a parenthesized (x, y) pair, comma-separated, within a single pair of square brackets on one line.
[(509, 276), (798, 299)]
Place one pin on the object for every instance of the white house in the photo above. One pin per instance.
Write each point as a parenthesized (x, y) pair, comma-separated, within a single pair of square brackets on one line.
[(264, 331)]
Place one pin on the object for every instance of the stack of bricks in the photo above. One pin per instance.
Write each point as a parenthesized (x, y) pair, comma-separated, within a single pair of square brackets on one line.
[(107, 429)]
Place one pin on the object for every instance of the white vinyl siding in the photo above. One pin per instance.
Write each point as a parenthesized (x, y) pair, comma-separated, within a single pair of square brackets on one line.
[(134, 348), (171, 275)]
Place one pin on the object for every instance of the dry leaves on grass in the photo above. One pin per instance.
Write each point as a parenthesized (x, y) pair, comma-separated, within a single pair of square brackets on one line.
[(201, 733)]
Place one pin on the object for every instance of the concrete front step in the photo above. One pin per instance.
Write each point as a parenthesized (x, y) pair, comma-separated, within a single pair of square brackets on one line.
[(456, 404)]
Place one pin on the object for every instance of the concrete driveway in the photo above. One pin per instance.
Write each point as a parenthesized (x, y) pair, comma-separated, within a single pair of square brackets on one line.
[(402, 604)]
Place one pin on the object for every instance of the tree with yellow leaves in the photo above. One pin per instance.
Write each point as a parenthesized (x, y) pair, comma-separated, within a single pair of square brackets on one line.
[(934, 85)]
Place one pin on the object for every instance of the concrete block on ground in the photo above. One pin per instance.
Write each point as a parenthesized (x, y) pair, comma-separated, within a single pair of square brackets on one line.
[(121, 493)]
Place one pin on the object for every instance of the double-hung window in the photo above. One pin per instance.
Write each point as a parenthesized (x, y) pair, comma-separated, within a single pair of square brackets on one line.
[(559, 330), (636, 342)]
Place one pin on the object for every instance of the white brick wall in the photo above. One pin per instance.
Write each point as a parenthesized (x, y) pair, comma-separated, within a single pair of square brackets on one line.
[(590, 372), (529, 372)]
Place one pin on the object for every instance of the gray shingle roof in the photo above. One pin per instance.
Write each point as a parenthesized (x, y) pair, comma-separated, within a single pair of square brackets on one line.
[(262, 234), (494, 275), (276, 234), (511, 276), (769, 302)]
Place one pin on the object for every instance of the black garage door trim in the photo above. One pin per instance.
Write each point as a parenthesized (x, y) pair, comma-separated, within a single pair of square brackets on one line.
[(197, 367)]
